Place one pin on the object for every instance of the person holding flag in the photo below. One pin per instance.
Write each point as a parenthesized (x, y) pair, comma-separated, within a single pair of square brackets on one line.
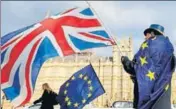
[(151, 70), (48, 98)]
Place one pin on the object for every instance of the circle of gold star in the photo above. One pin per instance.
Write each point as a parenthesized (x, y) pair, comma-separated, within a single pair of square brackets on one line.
[(68, 101)]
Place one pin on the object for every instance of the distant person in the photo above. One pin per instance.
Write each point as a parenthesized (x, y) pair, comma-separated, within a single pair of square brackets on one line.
[(151, 70), (48, 98)]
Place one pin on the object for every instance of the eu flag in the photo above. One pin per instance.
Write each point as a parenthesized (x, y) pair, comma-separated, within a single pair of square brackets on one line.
[(153, 70), (80, 89)]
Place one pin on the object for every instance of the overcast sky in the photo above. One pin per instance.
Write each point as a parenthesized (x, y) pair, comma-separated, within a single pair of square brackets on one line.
[(122, 18)]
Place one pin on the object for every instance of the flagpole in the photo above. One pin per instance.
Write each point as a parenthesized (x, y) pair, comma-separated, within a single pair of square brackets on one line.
[(47, 14), (3, 98), (105, 28)]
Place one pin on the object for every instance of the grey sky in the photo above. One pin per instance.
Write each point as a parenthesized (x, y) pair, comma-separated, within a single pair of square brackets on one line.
[(122, 18)]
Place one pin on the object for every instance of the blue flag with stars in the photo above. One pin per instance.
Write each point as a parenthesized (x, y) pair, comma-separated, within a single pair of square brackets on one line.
[(81, 88), (153, 71)]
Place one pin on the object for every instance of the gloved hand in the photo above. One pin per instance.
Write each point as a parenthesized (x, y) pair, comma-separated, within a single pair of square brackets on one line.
[(35, 102), (128, 65), (124, 60)]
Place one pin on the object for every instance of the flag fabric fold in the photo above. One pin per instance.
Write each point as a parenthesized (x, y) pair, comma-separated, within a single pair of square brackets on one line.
[(153, 70)]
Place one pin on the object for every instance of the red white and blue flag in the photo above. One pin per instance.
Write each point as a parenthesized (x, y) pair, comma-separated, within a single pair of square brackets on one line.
[(24, 51)]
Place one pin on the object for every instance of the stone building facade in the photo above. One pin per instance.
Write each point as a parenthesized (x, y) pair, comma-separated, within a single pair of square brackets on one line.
[(114, 79)]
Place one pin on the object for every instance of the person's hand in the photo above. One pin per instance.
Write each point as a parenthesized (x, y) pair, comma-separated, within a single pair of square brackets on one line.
[(124, 59), (34, 102), (128, 65)]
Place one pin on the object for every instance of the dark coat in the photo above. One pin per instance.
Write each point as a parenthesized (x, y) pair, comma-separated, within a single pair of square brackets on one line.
[(164, 102), (159, 100), (46, 99)]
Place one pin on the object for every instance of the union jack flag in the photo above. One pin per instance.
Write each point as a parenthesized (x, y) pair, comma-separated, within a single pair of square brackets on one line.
[(25, 50)]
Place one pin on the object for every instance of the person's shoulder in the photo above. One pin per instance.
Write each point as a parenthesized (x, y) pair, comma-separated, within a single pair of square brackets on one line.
[(158, 43), (164, 40), (159, 39), (45, 91), (161, 43), (53, 93)]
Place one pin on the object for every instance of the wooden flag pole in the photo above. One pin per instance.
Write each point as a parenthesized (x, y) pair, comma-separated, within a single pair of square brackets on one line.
[(105, 28)]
